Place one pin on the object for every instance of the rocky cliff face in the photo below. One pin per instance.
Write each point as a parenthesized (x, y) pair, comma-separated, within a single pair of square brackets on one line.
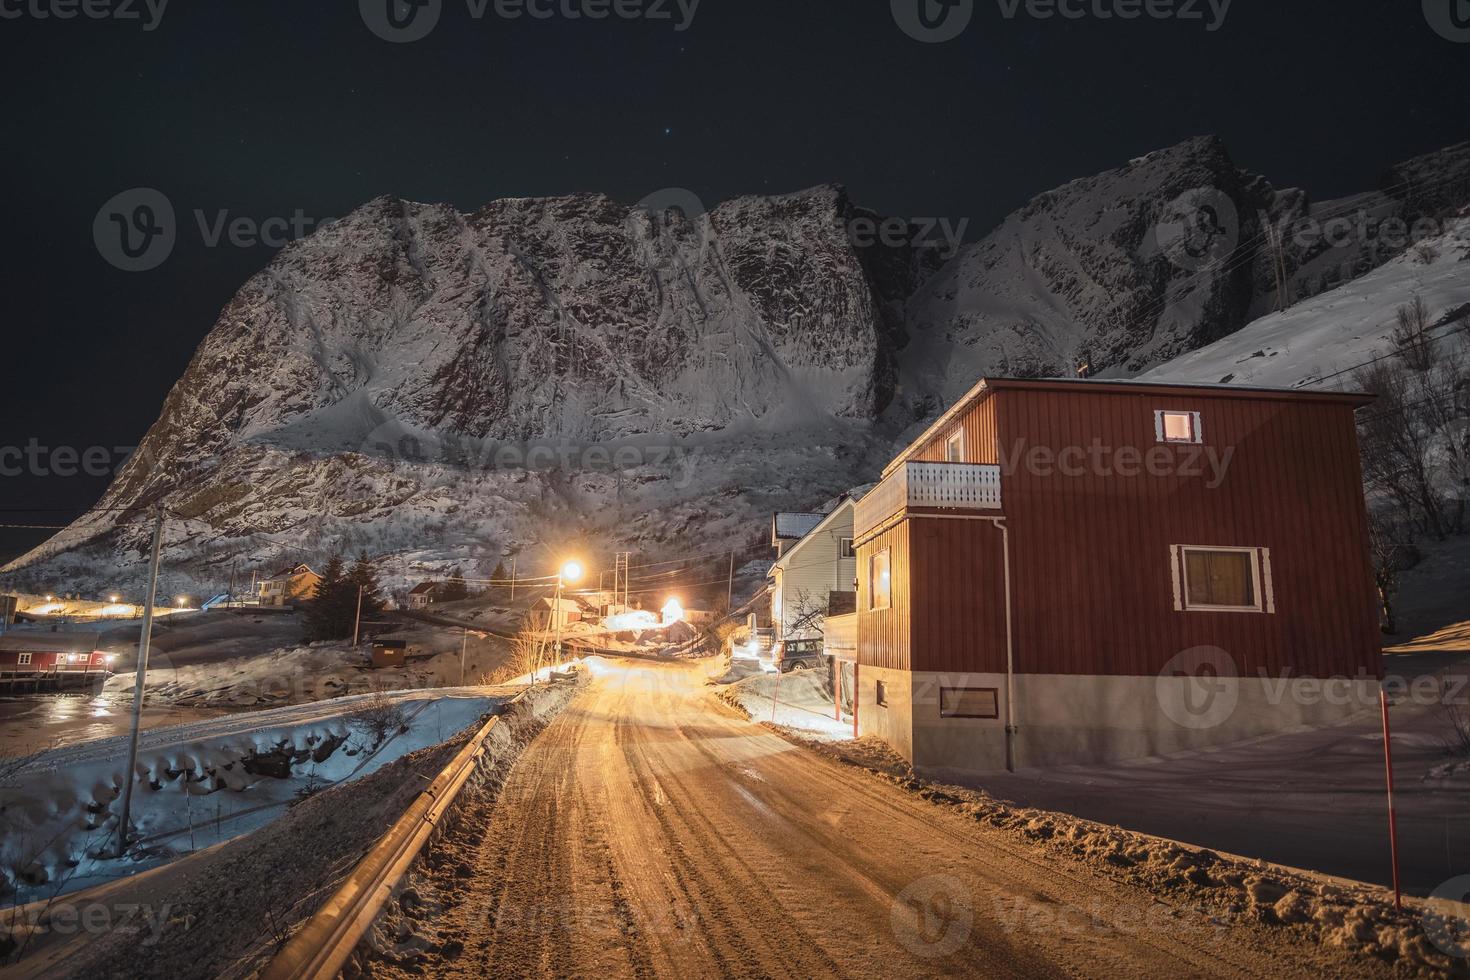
[(573, 372)]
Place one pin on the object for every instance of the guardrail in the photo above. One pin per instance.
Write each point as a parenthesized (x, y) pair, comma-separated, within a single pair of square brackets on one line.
[(320, 949), (956, 486)]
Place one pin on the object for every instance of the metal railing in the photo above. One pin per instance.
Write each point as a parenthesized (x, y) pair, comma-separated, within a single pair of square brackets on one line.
[(954, 486)]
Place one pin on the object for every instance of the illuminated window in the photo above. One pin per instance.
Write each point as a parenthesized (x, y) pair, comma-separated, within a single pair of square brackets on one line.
[(954, 447), (879, 581), (1177, 426), (1223, 579)]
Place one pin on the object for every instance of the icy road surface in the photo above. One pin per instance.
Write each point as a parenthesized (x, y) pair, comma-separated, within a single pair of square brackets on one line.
[(651, 831)]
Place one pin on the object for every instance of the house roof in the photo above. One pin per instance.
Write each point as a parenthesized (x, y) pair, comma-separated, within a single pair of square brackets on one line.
[(48, 642), (424, 587), (789, 526), (569, 605), (985, 386), (291, 571), (844, 507)]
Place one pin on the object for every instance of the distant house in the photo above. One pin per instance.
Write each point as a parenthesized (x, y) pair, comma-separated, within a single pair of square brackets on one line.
[(789, 528), (568, 611), (289, 585), (1062, 571), (425, 594), (52, 653), (821, 562)]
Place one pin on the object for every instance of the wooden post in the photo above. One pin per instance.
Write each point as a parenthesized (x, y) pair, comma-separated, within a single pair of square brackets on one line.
[(1393, 820), (129, 774), (855, 689), (357, 620)]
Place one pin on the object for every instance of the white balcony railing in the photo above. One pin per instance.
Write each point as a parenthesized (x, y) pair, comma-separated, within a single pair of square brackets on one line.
[(949, 486)]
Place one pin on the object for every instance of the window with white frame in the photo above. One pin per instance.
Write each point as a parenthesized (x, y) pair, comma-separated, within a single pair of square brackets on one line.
[(1177, 426), (954, 447), (25, 660), (879, 581), (1222, 579), (844, 548)]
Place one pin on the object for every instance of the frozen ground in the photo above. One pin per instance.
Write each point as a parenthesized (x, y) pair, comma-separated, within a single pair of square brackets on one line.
[(222, 912), (198, 784), (800, 699)]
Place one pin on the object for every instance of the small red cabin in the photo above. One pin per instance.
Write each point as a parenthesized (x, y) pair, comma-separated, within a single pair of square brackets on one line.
[(33, 654), (1065, 571)]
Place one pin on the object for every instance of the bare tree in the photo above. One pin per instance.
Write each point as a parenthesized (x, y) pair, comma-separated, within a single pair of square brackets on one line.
[(809, 613), (1411, 338), (1396, 447), (379, 718), (1389, 558)]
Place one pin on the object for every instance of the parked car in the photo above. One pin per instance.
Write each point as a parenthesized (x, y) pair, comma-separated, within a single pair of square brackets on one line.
[(794, 654)]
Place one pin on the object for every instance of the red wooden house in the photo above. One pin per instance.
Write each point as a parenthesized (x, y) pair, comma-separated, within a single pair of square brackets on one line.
[(1063, 571), (52, 659)]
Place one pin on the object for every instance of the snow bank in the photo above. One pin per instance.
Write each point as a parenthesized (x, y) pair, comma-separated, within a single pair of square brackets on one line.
[(200, 784), (801, 700)]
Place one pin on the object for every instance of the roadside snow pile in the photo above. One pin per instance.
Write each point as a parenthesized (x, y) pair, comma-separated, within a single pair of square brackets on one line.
[(200, 784), (801, 700), (1333, 912)]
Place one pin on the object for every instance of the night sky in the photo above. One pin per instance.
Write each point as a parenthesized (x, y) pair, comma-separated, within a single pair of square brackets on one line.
[(269, 107)]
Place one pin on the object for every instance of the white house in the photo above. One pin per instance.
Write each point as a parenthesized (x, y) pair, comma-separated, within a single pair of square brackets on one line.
[(810, 569)]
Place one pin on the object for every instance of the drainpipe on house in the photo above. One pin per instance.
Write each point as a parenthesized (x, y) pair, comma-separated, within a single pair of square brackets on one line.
[(1005, 537)]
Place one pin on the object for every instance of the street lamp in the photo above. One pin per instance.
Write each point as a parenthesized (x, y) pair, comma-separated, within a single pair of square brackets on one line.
[(571, 573)]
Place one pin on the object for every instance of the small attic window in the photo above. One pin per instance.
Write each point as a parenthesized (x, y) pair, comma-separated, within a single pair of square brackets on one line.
[(954, 447), (1172, 426)]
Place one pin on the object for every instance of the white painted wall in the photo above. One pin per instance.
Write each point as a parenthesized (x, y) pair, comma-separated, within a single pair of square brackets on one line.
[(814, 566)]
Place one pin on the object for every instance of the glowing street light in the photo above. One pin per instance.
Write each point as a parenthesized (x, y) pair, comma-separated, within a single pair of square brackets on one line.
[(571, 572), (113, 599)]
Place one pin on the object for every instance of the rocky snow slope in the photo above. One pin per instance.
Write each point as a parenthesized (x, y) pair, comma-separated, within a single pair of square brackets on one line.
[(575, 373)]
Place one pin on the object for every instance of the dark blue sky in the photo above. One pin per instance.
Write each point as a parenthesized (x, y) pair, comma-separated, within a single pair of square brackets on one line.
[(264, 108)]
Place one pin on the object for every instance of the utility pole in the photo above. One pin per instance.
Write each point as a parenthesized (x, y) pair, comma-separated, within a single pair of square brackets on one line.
[(357, 621), (463, 645), (130, 774), (730, 584), (512, 578)]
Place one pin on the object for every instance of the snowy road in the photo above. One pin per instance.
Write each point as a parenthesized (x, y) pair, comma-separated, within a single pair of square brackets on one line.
[(650, 831)]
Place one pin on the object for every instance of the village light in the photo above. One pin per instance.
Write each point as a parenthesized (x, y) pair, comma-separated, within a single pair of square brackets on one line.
[(113, 599), (571, 572), (673, 611)]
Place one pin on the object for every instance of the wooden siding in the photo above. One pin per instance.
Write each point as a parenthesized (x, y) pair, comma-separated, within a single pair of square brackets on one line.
[(884, 634), (980, 436), (1091, 563), (1092, 578)]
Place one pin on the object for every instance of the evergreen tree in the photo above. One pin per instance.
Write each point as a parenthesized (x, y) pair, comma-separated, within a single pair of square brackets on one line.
[(362, 576), (455, 588), (324, 614), (498, 576)]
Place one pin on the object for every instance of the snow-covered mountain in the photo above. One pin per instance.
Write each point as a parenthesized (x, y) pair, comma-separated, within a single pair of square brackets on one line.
[(576, 373)]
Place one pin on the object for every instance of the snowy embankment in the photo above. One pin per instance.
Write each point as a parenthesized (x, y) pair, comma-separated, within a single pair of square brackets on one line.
[(1320, 340), (801, 700), (225, 911), (203, 783)]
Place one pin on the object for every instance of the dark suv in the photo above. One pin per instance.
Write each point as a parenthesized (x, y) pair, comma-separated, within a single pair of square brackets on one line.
[(792, 654)]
